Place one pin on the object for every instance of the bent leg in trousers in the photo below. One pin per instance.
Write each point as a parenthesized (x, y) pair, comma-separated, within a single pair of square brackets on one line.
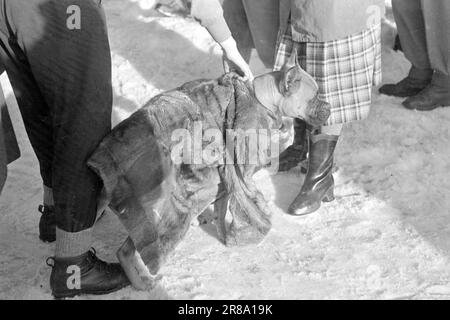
[(60, 71)]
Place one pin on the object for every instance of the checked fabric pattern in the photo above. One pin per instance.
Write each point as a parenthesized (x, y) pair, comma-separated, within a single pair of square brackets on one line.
[(345, 70)]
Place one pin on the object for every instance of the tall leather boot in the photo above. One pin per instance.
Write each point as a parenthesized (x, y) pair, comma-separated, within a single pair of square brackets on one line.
[(85, 274), (295, 153), (319, 183)]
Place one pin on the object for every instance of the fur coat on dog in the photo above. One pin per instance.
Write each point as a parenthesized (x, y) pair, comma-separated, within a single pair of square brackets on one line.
[(156, 198)]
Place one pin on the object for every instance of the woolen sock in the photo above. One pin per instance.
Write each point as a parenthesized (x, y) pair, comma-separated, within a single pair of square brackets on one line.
[(72, 244)]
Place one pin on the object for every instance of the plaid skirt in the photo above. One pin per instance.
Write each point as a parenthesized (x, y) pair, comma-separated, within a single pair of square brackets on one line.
[(345, 70)]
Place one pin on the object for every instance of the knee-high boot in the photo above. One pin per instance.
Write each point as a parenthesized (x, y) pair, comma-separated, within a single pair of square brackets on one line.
[(319, 184)]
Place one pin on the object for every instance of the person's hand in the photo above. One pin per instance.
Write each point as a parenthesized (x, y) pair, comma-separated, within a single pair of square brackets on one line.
[(232, 59)]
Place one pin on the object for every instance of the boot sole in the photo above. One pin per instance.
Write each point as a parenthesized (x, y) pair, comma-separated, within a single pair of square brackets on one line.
[(426, 109), (94, 293), (399, 95)]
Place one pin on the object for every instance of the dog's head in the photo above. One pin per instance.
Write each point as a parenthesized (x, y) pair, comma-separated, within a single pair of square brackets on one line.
[(294, 92)]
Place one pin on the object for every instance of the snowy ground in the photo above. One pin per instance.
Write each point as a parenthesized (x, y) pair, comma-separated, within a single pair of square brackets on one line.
[(387, 236)]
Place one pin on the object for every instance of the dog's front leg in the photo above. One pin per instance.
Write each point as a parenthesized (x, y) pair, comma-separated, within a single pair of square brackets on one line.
[(220, 211), (134, 267)]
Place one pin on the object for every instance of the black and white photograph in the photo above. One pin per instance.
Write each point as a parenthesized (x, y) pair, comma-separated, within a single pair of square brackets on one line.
[(225, 150)]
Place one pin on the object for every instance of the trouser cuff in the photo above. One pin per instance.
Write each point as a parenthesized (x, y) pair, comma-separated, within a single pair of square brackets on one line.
[(441, 79), (420, 74), (72, 244)]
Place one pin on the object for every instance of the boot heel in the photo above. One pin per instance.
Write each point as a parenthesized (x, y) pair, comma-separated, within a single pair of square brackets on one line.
[(329, 195)]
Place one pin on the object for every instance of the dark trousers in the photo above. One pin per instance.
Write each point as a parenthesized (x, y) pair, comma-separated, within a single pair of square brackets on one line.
[(57, 57), (423, 27), (254, 24)]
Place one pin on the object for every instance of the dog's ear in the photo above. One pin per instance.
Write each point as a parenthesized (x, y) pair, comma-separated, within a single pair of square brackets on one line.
[(292, 75)]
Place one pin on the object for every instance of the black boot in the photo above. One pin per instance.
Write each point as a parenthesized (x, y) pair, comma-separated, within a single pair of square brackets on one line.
[(319, 184), (295, 153), (85, 274), (406, 88), (47, 224)]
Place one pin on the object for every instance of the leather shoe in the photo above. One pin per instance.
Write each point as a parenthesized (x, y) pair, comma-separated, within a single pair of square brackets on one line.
[(85, 274), (432, 97), (406, 88)]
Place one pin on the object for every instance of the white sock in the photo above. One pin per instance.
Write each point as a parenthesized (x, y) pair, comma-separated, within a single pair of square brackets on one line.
[(72, 244)]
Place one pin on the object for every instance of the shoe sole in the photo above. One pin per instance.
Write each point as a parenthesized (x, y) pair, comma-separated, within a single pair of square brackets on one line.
[(428, 109), (94, 293), (399, 95), (425, 109)]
